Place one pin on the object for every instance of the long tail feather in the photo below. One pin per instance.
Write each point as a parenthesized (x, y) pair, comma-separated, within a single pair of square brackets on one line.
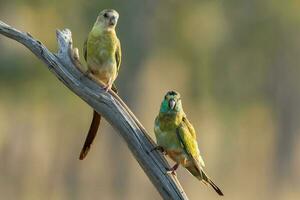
[(91, 135), (201, 175), (93, 131), (206, 179), (215, 187)]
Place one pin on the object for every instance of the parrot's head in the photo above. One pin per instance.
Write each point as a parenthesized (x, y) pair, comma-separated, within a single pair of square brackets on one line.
[(108, 18), (171, 103)]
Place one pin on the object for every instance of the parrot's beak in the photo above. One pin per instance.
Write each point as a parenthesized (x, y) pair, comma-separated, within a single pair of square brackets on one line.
[(112, 21), (172, 104)]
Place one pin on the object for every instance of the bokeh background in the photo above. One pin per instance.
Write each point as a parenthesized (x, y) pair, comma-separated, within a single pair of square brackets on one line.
[(235, 63)]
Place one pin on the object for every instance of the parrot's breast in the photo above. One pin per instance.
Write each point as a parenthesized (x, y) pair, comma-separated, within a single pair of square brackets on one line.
[(101, 59), (169, 141)]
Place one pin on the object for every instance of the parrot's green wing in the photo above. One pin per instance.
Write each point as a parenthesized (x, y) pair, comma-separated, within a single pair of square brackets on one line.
[(85, 50), (190, 127), (187, 136), (118, 55)]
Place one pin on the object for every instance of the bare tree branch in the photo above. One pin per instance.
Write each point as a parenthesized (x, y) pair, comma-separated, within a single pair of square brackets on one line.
[(64, 65)]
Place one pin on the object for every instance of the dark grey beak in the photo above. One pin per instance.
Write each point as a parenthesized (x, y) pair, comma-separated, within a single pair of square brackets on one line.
[(172, 104), (112, 21)]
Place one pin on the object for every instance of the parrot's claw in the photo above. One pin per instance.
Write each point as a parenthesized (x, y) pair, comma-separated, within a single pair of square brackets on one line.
[(159, 148), (106, 88), (171, 172), (85, 74), (173, 169)]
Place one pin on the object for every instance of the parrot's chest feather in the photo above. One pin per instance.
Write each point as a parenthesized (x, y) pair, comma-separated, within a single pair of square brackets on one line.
[(165, 133), (167, 139), (101, 50), (171, 144), (169, 122), (165, 130)]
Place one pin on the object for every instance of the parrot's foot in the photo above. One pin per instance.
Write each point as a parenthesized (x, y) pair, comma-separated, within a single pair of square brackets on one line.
[(173, 169), (159, 148), (85, 74), (107, 87)]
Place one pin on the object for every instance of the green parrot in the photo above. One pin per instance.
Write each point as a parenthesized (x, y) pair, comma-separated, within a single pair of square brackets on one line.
[(102, 52), (176, 137)]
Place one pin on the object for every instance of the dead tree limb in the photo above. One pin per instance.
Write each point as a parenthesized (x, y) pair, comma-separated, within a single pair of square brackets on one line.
[(64, 65)]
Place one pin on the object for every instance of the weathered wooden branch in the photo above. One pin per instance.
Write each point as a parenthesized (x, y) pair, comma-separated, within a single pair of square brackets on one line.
[(64, 65)]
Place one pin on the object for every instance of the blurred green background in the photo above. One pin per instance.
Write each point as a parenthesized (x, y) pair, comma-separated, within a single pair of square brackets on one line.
[(236, 64)]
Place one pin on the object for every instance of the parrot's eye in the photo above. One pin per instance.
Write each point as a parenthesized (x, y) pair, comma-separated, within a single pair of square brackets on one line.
[(105, 15)]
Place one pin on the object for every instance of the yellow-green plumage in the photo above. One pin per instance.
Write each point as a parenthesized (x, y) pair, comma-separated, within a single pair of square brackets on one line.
[(177, 137), (102, 52)]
